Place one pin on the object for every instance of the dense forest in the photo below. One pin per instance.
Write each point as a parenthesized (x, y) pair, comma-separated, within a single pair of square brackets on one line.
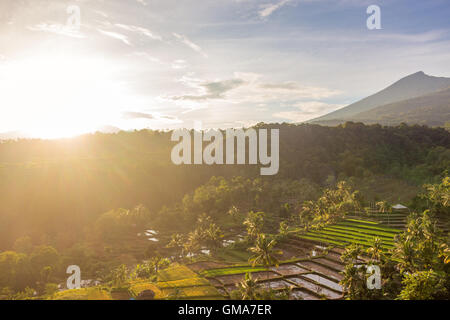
[(62, 200), (51, 187)]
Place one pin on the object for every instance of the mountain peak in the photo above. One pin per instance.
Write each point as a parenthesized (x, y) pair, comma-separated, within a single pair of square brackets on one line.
[(418, 74), (411, 86)]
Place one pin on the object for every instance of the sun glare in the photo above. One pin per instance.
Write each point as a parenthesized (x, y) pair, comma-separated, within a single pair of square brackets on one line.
[(55, 96)]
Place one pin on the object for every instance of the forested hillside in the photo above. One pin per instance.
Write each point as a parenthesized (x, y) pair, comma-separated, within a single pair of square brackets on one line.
[(56, 187)]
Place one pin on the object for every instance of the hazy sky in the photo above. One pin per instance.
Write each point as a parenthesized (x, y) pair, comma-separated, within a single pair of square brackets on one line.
[(170, 63)]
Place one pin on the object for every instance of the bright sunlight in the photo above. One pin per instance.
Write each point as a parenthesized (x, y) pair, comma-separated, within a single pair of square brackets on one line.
[(55, 96)]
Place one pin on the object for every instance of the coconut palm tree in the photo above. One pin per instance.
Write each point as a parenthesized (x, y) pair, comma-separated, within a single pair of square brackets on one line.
[(213, 236), (376, 250), (404, 253), (119, 276), (248, 288), (263, 252), (353, 281), (351, 254), (384, 207), (234, 213), (254, 224), (177, 241), (156, 262)]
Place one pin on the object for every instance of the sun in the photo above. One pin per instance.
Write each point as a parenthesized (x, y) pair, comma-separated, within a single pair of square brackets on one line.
[(60, 95)]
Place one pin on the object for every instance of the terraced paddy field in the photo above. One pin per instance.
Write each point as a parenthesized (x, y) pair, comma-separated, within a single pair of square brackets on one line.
[(398, 220), (176, 282), (83, 294), (353, 231), (180, 282), (308, 278), (307, 270)]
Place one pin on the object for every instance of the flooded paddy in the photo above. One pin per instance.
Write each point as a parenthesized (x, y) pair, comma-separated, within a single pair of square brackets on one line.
[(276, 285), (289, 269), (324, 281), (322, 269), (330, 263), (315, 288), (302, 295), (230, 279), (264, 275)]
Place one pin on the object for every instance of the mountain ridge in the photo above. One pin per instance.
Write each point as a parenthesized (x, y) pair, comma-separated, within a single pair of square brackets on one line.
[(412, 86)]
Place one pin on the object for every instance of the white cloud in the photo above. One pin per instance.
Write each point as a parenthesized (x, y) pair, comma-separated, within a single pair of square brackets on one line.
[(115, 35), (146, 56), (179, 64), (59, 29), (190, 44), (140, 30), (307, 110), (270, 8), (429, 36), (142, 2), (251, 88), (257, 90)]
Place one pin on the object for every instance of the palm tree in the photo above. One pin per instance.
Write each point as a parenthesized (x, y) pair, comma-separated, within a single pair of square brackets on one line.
[(177, 241), (353, 281), (156, 263), (263, 252), (248, 288), (254, 223), (119, 275), (193, 243), (376, 250), (234, 213), (351, 254), (384, 207), (213, 236), (204, 220), (404, 253)]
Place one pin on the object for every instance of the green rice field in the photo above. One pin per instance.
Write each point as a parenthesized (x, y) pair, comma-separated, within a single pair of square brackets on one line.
[(353, 231)]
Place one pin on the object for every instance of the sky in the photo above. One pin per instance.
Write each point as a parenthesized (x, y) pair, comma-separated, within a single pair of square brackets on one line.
[(70, 67)]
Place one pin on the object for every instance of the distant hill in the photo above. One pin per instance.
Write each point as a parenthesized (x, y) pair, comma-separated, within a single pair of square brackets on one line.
[(413, 86), (432, 109)]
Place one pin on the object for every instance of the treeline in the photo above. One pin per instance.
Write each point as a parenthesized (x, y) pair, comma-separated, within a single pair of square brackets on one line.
[(54, 189)]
